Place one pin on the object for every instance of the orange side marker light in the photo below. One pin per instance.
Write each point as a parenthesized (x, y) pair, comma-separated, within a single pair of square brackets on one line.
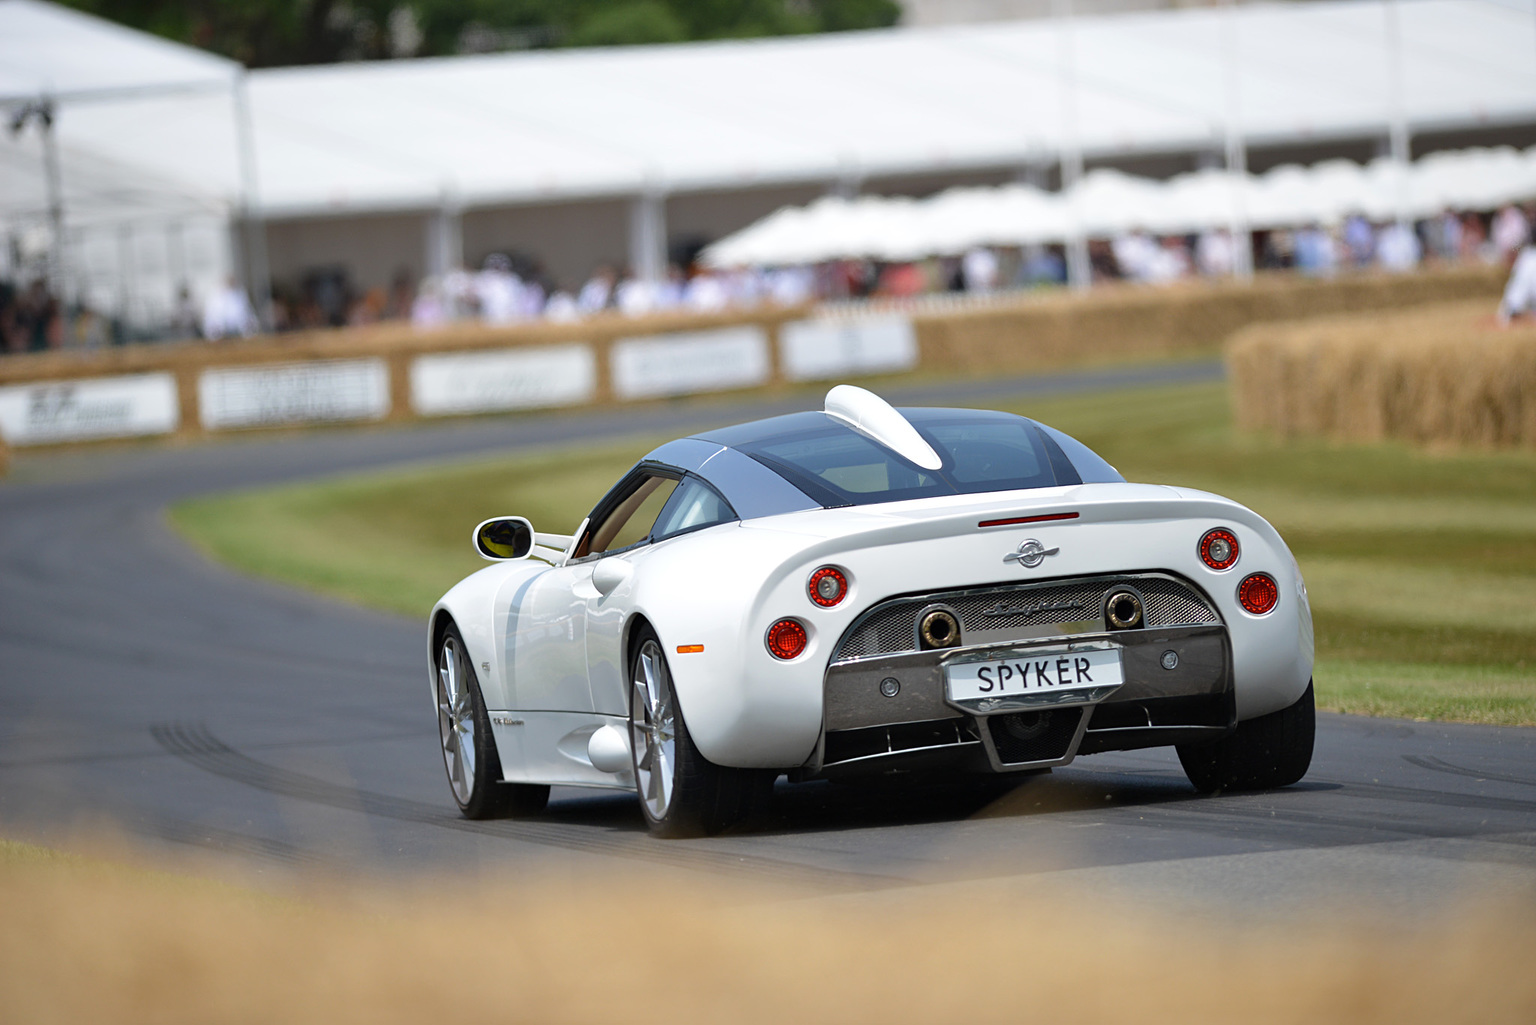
[(689, 649)]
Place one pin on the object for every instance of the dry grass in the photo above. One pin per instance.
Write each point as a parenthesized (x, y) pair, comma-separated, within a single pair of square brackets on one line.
[(1439, 374), (84, 942), (1113, 324)]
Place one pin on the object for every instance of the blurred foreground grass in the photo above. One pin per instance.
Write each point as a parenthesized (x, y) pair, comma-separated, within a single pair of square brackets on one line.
[(1421, 565), (85, 940)]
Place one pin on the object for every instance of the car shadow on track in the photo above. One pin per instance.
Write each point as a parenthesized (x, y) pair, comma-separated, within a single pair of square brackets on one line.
[(822, 806)]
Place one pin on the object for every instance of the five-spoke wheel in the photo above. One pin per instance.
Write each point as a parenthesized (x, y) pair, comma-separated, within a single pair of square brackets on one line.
[(469, 751), (682, 793)]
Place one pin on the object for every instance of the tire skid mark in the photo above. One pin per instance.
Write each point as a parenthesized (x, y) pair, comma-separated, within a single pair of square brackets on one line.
[(230, 841), (195, 744), (1438, 765)]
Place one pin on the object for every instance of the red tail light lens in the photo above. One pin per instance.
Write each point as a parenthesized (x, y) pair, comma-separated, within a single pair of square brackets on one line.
[(1218, 548), (1258, 593), (828, 587), (786, 639)]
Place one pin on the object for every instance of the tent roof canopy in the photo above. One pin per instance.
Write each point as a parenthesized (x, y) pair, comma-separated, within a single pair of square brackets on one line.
[(54, 52), (549, 126)]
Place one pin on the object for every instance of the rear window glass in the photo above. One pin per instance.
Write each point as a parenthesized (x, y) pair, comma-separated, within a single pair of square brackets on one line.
[(838, 466)]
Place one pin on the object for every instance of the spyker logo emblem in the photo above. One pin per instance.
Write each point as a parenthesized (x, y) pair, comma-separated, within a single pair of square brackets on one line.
[(1030, 554)]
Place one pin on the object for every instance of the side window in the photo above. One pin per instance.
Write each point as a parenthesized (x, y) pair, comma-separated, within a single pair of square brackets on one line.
[(631, 520), (693, 505)]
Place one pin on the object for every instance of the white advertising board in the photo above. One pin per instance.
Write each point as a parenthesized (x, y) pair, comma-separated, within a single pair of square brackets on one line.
[(98, 407), (814, 350), (489, 382), (690, 361), (287, 393)]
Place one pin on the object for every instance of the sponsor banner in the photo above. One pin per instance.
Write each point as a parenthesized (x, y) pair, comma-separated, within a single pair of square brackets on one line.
[(289, 393), (98, 407), (813, 350), (489, 382), (690, 361)]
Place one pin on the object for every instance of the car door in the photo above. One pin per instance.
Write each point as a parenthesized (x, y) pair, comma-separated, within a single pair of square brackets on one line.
[(690, 505), (546, 635)]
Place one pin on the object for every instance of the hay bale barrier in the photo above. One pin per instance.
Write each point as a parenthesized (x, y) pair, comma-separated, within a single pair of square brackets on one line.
[(1440, 374)]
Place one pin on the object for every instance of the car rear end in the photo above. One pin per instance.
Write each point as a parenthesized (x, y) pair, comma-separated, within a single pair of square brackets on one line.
[(1015, 631)]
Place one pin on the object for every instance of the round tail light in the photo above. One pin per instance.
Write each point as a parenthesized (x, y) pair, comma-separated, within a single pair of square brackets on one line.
[(786, 639), (1258, 593), (1218, 548), (827, 587)]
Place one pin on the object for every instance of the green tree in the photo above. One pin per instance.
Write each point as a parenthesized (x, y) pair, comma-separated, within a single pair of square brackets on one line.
[(268, 33)]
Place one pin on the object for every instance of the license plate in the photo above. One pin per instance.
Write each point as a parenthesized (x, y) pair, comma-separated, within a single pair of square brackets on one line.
[(1029, 679)]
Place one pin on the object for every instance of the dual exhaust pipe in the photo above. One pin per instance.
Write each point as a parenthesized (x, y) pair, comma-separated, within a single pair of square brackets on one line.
[(939, 627)]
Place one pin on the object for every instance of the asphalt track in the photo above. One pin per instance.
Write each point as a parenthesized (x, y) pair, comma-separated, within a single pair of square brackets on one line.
[(145, 688)]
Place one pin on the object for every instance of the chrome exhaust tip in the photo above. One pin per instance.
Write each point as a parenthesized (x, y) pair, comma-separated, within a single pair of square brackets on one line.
[(939, 629), (1123, 611)]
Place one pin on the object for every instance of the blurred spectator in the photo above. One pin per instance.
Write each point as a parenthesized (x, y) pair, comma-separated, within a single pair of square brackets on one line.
[(1170, 261), (706, 293), (1520, 293), (402, 296), (668, 292), (1510, 232), (791, 286), (901, 280), (498, 291), (1315, 255), (227, 314), (1041, 265), (184, 315), (1135, 255), (978, 269), (597, 293), (1474, 238), (1397, 248), (634, 297), (1215, 254), (1442, 237), (1359, 240), (88, 330), (430, 309), (561, 307)]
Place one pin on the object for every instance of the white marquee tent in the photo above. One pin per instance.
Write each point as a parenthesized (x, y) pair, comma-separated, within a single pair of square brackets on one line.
[(538, 126), (1111, 203), (642, 123), (118, 201)]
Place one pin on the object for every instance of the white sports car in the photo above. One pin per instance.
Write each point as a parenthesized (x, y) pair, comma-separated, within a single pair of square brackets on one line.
[(867, 590)]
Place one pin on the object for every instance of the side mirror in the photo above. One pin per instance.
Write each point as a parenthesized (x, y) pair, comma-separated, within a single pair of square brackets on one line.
[(504, 538)]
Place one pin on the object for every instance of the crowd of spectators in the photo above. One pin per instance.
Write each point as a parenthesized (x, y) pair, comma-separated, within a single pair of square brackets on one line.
[(508, 290)]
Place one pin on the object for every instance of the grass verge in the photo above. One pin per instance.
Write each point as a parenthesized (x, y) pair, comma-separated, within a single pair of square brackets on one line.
[(79, 944), (1421, 565)]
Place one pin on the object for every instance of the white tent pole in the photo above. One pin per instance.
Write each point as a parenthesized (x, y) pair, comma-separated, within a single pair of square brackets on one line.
[(445, 234), (44, 111), (1236, 145), (58, 273), (1397, 129), (648, 235), (258, 276), (1079, 273)]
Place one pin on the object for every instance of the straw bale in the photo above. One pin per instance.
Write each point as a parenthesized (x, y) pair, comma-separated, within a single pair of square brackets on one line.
[(1130, 321), (1442, 373)]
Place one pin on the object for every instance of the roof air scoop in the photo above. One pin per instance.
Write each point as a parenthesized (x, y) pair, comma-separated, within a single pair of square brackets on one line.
[(879, 421)]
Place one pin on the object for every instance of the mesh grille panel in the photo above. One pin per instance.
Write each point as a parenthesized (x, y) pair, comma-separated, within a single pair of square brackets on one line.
[(892, 627)]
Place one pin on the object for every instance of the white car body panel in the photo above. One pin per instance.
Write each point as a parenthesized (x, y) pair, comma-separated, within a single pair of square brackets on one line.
[(551, 652)]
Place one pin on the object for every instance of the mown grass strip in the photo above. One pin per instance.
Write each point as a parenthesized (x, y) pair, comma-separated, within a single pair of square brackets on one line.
[(1421, 565)]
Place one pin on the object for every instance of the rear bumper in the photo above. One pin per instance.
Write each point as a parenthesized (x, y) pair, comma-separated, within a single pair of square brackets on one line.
[(866, 729)]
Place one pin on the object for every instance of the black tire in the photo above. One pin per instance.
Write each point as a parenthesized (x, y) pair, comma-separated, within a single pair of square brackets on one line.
[(692, 796), (469, 748), (1271, 751)]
